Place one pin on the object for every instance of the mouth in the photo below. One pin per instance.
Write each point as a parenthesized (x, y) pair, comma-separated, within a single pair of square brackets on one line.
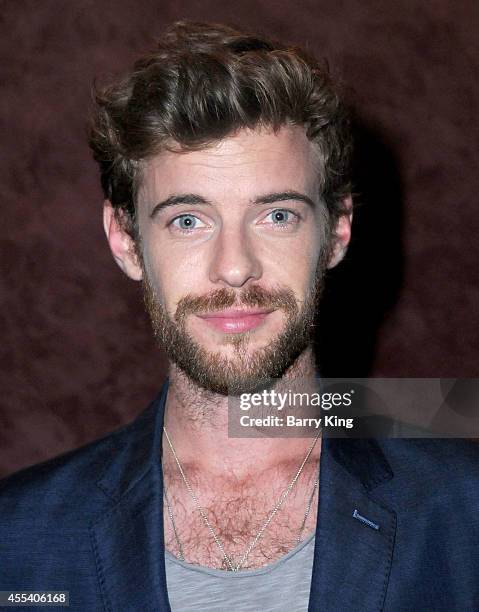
[(235, 321)]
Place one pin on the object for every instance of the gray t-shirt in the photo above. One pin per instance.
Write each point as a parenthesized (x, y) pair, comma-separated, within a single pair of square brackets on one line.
[(278, 587)]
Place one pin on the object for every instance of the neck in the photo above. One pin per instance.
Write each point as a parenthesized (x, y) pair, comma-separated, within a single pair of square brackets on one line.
[(197, 422)]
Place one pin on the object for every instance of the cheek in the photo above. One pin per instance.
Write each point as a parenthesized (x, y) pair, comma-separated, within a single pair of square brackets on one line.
[(295, 272), (172, 275), (292, 263)]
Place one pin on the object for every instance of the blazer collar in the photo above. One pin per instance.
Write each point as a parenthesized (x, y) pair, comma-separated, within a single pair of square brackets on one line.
[(352, 559), (136, 449)]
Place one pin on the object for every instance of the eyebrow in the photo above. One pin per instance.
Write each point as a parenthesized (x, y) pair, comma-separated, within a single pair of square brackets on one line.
[(176, 200), (283, 196), (194, 199)]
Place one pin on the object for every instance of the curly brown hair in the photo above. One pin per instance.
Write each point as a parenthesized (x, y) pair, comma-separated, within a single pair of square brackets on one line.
[(203, 83)]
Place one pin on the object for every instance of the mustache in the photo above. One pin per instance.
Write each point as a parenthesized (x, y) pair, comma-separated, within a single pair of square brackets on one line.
[(220, 299)]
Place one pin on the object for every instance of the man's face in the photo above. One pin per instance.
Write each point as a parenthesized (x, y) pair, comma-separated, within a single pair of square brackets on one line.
[(231, 244)]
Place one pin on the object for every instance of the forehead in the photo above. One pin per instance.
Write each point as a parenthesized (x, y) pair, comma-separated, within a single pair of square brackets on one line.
[(247, 163)]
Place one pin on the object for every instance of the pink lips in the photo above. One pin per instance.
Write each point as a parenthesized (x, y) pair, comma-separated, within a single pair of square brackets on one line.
[(235, 321)]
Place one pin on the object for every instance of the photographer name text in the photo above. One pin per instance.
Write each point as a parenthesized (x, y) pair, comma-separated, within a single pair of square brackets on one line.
[(292, 421)]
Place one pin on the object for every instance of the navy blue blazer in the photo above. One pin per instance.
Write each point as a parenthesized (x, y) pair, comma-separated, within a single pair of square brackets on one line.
[(397, 529)]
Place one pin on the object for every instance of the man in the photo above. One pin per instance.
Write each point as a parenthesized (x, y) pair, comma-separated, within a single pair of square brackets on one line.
[(225, 164)]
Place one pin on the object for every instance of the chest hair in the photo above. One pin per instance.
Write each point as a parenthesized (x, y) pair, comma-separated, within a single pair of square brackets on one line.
[(237, 512)]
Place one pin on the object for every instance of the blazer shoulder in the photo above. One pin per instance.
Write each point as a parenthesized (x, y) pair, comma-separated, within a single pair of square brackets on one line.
[(436, 470), (69, 479), (433, 453)]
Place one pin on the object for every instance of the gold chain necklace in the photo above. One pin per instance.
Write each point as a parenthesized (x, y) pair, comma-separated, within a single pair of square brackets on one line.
[(286, 492)]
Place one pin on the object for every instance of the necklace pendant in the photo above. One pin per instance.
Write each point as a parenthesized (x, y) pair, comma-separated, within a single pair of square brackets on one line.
[(228, 564)]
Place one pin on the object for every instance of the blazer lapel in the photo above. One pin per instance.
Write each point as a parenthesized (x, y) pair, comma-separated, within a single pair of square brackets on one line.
[(355, 533), (127, 541)]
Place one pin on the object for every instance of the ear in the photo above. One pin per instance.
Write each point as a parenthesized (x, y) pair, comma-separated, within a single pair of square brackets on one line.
[(342, 233), (121, 244)]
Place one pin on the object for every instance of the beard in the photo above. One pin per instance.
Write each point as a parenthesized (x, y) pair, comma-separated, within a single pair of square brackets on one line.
[(246, 370)]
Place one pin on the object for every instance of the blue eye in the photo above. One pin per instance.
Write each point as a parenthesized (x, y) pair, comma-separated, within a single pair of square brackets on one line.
[(187, 222), (282, 216)]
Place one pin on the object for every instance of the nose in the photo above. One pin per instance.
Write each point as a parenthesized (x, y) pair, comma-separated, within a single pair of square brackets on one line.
[(234, 262)]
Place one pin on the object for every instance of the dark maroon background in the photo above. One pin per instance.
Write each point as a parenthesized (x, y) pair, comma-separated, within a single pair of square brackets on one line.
[(77, 358)]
